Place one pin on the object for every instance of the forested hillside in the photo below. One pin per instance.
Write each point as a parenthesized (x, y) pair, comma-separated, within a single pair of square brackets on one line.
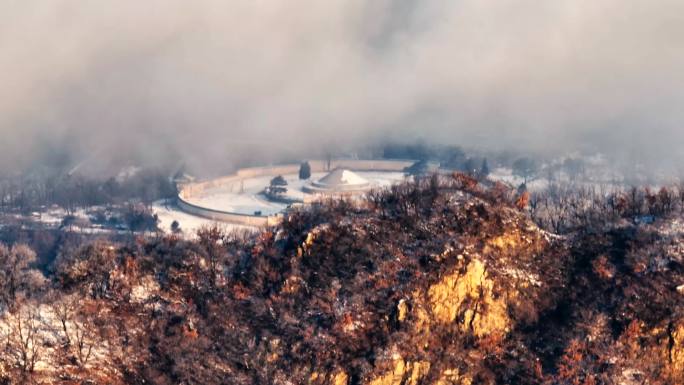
[(439, 281)]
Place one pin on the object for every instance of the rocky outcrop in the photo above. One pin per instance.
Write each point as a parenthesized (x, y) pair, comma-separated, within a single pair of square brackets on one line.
[(467, 298)]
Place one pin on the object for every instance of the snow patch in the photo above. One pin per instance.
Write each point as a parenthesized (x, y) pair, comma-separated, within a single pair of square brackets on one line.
[(350, 177)]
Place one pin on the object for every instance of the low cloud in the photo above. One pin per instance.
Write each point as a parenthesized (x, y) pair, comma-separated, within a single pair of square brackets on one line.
[(213, 81)]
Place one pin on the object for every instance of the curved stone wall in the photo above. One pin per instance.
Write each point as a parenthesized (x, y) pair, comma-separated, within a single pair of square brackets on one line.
[(234, 181), (225, 216)]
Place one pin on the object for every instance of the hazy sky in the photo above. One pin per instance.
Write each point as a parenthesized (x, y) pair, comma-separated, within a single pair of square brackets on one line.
[(204, 79)]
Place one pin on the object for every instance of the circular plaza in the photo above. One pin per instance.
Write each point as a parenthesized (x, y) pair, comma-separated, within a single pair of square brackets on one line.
[(259, 196)]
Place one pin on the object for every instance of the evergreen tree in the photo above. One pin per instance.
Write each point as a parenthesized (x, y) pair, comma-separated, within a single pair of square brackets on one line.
[(484, 170), (305, 170), (277, 186), (278, 181)]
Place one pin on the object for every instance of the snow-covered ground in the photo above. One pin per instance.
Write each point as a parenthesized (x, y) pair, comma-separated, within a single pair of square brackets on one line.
[(246, 203), (506, 175), (352, 178), (189, 224), (596, 179), (249, 200), (55, 215), (381, 178)]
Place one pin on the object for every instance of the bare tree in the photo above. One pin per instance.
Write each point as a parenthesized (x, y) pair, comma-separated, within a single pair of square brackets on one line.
[(23, 340), (78, 330), (84, 338), (525, 168), (64, 308), (15, 271), (211, 240)]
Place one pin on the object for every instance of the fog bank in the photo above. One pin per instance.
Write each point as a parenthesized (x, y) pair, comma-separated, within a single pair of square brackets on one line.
[(214, 81)]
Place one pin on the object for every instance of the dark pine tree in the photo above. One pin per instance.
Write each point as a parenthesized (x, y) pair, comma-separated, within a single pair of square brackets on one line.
[(484, 170), (305, 170)]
